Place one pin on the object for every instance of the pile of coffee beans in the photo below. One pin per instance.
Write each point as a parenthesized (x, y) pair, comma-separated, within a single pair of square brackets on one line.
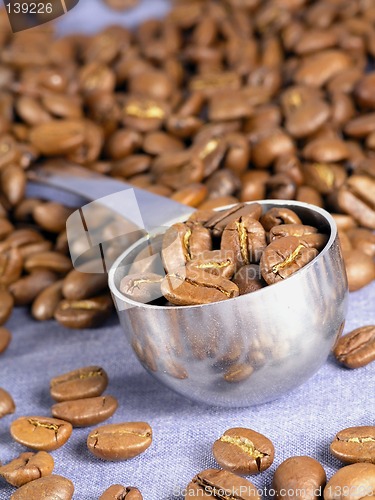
[(245, 452), (215, 256), (80, 403)]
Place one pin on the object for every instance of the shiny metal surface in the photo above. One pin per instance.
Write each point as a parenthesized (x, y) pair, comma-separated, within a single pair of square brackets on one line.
[(267, 342)]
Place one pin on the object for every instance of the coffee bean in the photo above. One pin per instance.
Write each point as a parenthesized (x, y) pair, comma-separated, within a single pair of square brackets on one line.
[(356, 348), (51, 216), (7, 406), (216, 483), (360, 269), (219, 221), (27, 467), (87, 382), (299, 474), (143, 288), (45, 304), (245, 239), (364, 91), (13, 183), (318, 68), (238, 373), (6, 228), (193, 287), (283, 257), (360, 126), (84, 285), (243, 451), (217, 262), (26, 289), (5, 338), (11, 263), (249, 279), (58, 137), (89, 313), (85, 412), (352, 482), (277, 216), (46, 488), (53, 261), (118, 492), (362, 239), (120, 441), (326, 150), (41, 433), (270, 146), (121, 4), (355, 444), (184, 242)]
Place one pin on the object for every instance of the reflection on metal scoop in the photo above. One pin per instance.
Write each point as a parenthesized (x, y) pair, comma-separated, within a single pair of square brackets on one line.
[(118, 215)]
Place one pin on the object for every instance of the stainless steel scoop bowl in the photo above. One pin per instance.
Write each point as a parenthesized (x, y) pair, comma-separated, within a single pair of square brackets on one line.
[(250, 349)]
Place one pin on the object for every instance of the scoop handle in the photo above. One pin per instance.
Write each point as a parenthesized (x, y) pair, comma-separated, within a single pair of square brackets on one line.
[(116, 216)]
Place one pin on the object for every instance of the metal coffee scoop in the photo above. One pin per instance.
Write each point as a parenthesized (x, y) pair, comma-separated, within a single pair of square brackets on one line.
[(242, 351)]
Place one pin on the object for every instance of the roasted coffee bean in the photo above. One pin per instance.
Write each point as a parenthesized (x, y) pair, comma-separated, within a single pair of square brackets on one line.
[(192, 195), (85, 412), (356, 348), (192, 287), (216, 483), (53, 261), (58, 137), (51, 216), (270, 146), (326, 150), (299, 474), (219, 221), (120, 441), (45, 304), (243, 451), (13, 183), (143, 288), (216, 262), (276, 216), (121, 4), (238, 373), (46, 488), (26, 289), (5, 339), (27, 467), (6, 228), (11, 263), (355, 199), (184, 242), (283, 257), (249, 279), (118, 492), (364, 91), (360, 269), (244, 239), (83, 285), (355, 444), (89, 313), (362, 239), (41, 433), (318, 68), (7, 406), (352, 482), (297, 230), (87, 382)]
